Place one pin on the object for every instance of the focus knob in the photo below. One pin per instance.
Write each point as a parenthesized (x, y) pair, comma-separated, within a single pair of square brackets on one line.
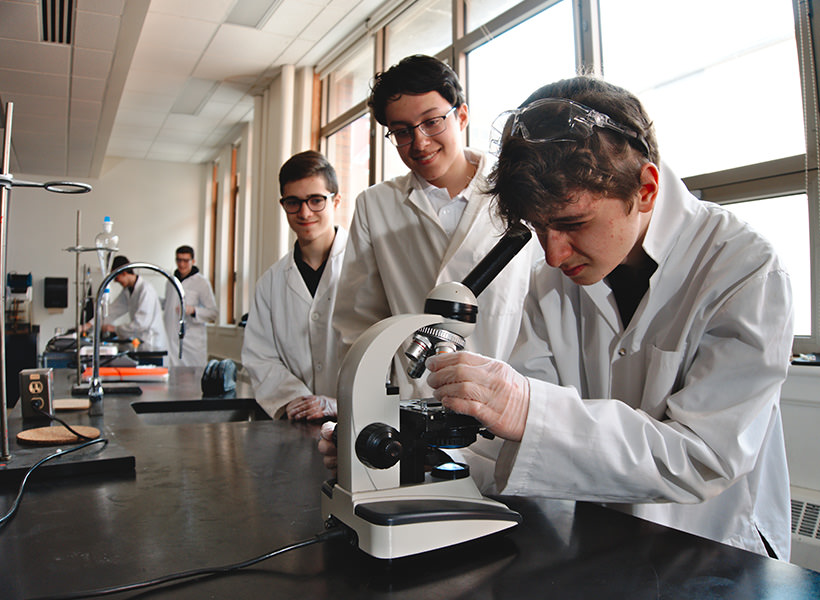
[(378, 446)]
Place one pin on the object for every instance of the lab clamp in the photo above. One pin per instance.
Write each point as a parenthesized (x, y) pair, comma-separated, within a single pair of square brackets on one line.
[(383, 491)]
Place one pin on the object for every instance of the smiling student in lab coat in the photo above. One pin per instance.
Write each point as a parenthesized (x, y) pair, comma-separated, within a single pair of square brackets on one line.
[(290, 348), (431, 225), (656, 337)]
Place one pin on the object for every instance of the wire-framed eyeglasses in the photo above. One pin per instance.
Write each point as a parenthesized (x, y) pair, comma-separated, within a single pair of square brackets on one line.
[(315, 202), (429, 127), (556, 120)]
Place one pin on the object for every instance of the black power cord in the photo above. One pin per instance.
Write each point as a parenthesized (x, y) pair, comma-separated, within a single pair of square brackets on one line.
[(337, 531), (5, 518), (61, 422)]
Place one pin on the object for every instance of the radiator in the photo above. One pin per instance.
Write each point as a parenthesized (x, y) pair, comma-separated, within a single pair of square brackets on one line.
[(805, 528)]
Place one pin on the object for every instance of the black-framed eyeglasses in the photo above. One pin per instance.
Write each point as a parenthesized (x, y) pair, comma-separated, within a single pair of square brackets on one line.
[(315, 202), (556, 120), (429, 127)]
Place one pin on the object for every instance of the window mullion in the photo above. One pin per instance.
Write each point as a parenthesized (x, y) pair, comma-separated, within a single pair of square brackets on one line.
[(587, 20)]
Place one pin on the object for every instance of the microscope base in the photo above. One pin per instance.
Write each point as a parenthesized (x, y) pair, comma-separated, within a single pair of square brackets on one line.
[(391, 525)]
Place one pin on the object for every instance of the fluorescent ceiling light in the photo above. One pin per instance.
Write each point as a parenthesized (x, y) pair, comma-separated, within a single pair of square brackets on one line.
[(253, 13), (194, 96)]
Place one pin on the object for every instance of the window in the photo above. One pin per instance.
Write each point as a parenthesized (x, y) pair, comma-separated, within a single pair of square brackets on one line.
[(505, 70), (718, 78), (730, 85), (424, 28), (348, 150), (479, 12), (349, 83), (775, 219)]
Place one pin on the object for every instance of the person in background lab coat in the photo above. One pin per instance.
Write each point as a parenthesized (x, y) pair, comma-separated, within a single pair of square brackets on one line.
[(290, 348), (431, 225), (200, 308), (656, 337), (140, 302)]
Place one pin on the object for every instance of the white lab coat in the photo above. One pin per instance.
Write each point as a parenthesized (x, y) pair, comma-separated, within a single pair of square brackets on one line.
[(144, 316), (398, 251), (676, 418), (198, 293), (290, 348)]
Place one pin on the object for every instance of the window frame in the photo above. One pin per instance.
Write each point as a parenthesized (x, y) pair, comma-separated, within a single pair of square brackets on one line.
[(780, 177)]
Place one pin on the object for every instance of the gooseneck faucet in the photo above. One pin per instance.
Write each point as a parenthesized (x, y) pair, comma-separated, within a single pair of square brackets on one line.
[(95, 389)]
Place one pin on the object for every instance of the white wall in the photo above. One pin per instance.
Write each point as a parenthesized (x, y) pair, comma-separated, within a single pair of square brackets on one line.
[(155, 206), (800, 404)]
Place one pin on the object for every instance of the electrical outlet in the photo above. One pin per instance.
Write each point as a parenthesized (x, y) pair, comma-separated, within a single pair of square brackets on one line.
[(36, 387)]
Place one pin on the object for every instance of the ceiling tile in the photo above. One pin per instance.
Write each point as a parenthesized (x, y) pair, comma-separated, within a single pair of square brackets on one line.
[(175, 121), (182, 136), (138, 57), (128, 147), (137, 132), (106, 7), (171, 151), (33, 83), (15, 14), (289, 19), (201, 156), (92, 63), (218, 134), (37, 57), (346, 5), (215, 110), (49, 145), (152, 82), (44, 123), (96, 31), (87, 111), (158, 59), (230, 93), (177, 32), (38, 105), (325, 21), (147, 102), (296, 52), (86, 88), (126, 116), (239, 50), (206, 10), (241, 113)]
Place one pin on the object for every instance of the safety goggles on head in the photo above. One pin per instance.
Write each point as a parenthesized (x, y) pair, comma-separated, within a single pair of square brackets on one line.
[(555, 120), (315, 202), (429, 127)]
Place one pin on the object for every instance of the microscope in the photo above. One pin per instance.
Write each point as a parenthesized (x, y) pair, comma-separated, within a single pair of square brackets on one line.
[(396, 489)]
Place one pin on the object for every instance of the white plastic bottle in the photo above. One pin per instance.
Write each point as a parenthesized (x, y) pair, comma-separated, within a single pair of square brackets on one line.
[(106, 298), (106, 243)]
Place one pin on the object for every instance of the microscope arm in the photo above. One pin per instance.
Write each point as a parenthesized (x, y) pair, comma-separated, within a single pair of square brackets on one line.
[(362, 397)]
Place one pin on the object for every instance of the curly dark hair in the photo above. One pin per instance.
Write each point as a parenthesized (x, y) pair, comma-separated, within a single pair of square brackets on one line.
[(532, 180), (414, 75)]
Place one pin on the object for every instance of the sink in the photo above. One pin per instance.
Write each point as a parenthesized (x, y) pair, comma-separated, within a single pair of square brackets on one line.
[(201, 410)]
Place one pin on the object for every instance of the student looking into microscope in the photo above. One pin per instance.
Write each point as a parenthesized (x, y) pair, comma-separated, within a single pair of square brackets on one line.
[(656, 335), (290, 347)]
